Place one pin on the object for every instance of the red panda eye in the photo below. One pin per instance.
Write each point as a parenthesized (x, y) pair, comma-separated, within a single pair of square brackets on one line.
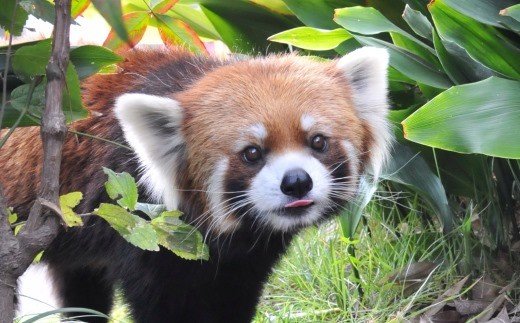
[(252, 154), (319, 143)]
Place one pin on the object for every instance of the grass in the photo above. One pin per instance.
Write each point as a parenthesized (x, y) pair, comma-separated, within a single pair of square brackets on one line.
[(315, 281)]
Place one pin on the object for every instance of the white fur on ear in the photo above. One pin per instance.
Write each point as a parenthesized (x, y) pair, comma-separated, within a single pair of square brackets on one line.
[(151, 125), (366, 72)]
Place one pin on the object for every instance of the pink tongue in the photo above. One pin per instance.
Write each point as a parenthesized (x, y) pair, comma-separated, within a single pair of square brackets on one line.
[(299, 203)]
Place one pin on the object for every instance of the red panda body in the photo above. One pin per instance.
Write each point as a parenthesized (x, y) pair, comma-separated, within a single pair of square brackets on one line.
[(250, 151)]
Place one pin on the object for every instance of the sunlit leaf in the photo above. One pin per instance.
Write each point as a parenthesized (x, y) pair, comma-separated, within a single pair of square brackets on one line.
[(196, 19), (513, 12), (164, 6), (136, 23), (176, 32), (67, 203), (78, 7), (312, 38), (480, 117), (277, 6), (317, 13), (122, 188), (118, 218)]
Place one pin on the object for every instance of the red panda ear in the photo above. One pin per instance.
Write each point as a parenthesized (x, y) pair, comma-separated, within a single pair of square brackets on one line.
[(365, 69), (151, 125)]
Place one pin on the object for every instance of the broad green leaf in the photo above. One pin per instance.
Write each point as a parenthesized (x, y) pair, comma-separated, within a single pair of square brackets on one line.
[(404, 42), (409, 168), (72, 105), (513, 12), (135, 23), (41, 9), (312, 38), (451, 63), (245, 27), (90, 59), (351, 217), (196, 19), (369, 21), (32, 60), (418, 22), (409, 64), (122, 188), (162, 7), (482, 42), (118, 218), (175, 32), (486, 11), (180, 238), (151, 210), (11, 10), (480, 117), (316, 13), (78, 7), (67, 203), (113, 14), (143, 235)]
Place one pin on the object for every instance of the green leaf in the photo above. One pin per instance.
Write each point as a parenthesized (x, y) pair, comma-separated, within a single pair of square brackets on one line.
[(245, 27), (162, 7), (90, 59), (482, 42), (486, 11), (78, 7), (369, 21), (9, 11), (177, 32), (312, 38), (151, 210), (418, 22), (122, 188), (136, 24), (196, 19), (11, 216), (118, 218), (277, 6), (180, 238), (75, 310), (513, 12), (480, 117), (32, 60), (409, 64), (72, 103), (316, 13), (41, 9), (67, 203), (113, 14), (409, 168), (351, 217), (143, 235)]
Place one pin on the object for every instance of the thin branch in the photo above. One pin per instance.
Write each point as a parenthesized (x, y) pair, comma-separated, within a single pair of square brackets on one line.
[(6, 71)]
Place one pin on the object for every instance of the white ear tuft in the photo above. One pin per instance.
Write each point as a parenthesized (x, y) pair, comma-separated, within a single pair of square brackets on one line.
[(152, 127), (365, 69)]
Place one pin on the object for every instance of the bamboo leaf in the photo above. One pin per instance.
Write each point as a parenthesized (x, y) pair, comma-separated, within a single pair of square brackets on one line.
[(480, 117)]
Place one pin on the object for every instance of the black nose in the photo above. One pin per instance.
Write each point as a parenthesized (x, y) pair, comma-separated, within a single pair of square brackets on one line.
[(296, 183)]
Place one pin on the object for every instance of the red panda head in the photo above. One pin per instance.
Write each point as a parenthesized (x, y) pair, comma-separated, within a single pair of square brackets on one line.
[(280, 141)]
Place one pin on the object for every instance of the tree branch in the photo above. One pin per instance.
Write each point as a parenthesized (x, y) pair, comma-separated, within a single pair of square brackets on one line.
[(17, 253)]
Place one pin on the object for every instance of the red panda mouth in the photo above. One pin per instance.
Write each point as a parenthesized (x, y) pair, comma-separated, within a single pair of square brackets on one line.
[(299, 203)]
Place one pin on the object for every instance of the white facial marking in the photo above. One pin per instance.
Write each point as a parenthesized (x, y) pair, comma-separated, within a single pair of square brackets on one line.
[(352, 158), (151, 125), (36, 292), (219, 209), (307, 122), (257, 132), (366, 70), (268, 199)]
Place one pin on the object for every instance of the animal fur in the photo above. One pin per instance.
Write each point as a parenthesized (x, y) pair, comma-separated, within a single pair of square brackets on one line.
[(188, 120)]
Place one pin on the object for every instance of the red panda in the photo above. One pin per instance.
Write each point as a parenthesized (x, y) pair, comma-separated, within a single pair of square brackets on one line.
[(250, 150)]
